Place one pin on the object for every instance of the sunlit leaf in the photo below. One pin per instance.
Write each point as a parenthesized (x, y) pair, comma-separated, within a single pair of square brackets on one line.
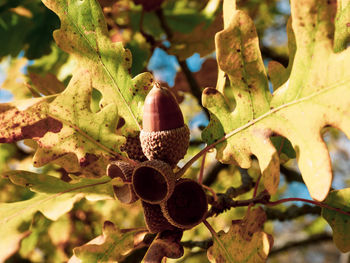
[(113, 245), (340, 223), (84, 35), (315, 95), (244, 242)]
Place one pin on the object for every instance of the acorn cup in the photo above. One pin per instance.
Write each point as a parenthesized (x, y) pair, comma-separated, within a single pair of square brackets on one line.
[(153, 181), (133, 148), (125, 193), (187, 205), (164, 135), (155, 221)]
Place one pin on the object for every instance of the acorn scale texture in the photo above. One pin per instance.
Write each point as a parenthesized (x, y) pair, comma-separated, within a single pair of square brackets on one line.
[(164, 135), (133, 148), (155, 221), (169, 146)]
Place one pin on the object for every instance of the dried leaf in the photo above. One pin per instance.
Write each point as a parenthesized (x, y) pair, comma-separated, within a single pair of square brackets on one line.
[(244, 242)]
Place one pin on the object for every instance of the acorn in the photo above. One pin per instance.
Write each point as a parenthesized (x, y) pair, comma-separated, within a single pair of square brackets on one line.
[(153, 181), (154, 218), (133, 148), (125, 193), (164, 135), (187, 206)]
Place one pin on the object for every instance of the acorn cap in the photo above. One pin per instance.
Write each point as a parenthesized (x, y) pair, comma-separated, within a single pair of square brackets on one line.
[(154, 219), (161, 111), (133, 148), (153, 181), (169, 146), (187, 206), (167, 244), (125, 193)]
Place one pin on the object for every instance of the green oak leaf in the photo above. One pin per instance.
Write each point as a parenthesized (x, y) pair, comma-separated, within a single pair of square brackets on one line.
[(340, 223), (53, 198), (316, 94), (33, 27), (84, 35), (113, 245), (342, 28), (88, 135)]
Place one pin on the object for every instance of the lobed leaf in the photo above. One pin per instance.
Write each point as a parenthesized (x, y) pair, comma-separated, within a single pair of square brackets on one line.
[(53, 198), (244, 242), (316, 94), (84, 35), (113, 245), (340, 223)]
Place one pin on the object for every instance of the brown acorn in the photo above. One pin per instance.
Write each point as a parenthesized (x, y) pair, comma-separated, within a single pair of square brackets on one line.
[(133, 148), (155, 221), (164, 135), (125, 193), (187, 205), (153, 181)]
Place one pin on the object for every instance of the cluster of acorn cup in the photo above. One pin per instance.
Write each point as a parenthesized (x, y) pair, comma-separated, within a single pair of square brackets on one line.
[(169, 203)]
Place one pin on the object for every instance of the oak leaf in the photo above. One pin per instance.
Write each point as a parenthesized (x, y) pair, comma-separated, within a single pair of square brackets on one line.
[(316, 94), (244, 242), (340, 223)]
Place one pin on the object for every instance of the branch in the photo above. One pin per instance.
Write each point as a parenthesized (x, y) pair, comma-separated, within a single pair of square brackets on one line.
[(212, 172), (312, 240), (205, 244), (225, 203), (268, 52), (291, 175), (192, 82), (292, 212)]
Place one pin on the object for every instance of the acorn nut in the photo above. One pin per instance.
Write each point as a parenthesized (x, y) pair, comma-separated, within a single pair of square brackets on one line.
[(125, 193), (164, 135), (187, 205), (153, 181)]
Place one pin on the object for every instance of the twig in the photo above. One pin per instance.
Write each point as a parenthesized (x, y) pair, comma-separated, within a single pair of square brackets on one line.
[(205, 244), (291, 175), (292, 212), (224, 203), (212, 172), (312, 240), (192, 82)]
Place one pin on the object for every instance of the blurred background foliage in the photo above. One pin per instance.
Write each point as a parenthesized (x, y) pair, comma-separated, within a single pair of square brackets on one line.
[(175, 41)]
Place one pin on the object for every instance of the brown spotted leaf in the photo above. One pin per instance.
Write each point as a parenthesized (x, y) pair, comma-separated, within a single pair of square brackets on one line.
[(84, 35), (245, 242), (313, 93)]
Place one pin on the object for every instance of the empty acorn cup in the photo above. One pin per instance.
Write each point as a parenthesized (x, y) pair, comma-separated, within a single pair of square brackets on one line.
[(155, 221), (153, 181), (187, 205), (125, 193)]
